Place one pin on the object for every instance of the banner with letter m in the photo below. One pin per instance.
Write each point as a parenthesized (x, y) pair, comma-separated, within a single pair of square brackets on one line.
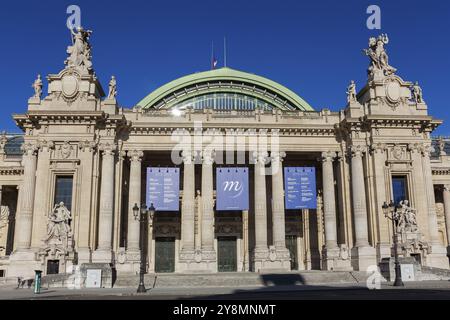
[(232, 189)]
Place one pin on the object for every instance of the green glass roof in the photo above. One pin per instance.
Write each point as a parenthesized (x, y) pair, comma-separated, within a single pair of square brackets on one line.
[(226, 75)]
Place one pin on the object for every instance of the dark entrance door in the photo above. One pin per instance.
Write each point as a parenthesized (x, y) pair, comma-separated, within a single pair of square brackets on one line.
[(164, 255), (227, 254), (291, 245), (52, 266)]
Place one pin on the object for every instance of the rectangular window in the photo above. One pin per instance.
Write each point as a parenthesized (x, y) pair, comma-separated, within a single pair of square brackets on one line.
[(63, 190), (399, 188)]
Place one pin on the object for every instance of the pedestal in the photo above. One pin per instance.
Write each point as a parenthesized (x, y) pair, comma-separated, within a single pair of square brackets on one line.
[(335, 260), (363, 258), (23, 263)]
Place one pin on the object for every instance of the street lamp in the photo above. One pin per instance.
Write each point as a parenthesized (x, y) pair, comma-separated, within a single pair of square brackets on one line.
[(145, 217), (391, 212)]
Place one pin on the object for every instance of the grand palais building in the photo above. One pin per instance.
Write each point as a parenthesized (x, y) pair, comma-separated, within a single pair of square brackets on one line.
[(237, 172)]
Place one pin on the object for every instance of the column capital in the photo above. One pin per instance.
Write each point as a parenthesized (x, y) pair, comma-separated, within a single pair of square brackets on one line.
[(260, 157), (328, 156), (187, 156), (425, 149), (208, 156), (29, 148), (107, 148), (87, 146), (378, 148), (135, 155), (415, 147), (45, 145), (277, 156), (357, 150)]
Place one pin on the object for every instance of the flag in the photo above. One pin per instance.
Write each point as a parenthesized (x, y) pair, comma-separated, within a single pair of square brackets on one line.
[(213, 57)]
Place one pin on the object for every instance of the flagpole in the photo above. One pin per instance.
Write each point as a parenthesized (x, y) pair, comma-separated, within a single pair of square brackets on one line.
[(212, 55), (225, 51)]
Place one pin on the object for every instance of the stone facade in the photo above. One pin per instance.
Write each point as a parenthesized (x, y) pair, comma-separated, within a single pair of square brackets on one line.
[(77, 131)]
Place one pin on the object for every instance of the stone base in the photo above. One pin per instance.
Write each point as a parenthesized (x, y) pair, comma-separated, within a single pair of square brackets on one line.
[(102, 256), (384, 250), (84, 255), (438, 257), (387, 268), (363, 258), (271, 260), (200, 261), (333, 261), (22, 263)]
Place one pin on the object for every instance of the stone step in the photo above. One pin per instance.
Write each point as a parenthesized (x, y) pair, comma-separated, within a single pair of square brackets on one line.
[(241, 279)]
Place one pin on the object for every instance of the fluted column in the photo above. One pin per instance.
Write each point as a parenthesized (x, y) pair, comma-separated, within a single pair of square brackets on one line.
[(24, 220), (105, 228), (359, 197), (188, 204), (329, 200), (446, 195), (278, 212), (207, 201), (260, 203), (431, 201), (41, 205), (363, 255), (134, 197), (438, 257)]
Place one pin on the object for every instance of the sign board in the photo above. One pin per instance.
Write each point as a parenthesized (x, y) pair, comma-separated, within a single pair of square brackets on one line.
[(163, 189), (232, 189), (93, 278), (407, 271), (300, 188)]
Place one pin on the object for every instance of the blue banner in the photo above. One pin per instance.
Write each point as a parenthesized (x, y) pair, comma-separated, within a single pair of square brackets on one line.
[(300, 188), (163, 188), (232, 189)]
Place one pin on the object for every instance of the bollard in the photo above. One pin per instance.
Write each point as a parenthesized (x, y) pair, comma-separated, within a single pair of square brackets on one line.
[(37, 281)]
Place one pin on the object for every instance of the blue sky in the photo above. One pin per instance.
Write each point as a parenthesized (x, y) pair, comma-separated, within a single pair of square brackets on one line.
[(312, 47)]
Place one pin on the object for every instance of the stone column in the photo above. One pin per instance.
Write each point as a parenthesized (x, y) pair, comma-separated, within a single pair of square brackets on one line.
[(188, 205), (261, 252), (437, 258), (245, 236), (363, 254), (41, 204), (24, 220), (446, 194), (331, 253), (278, 212), (103, 254), (134, 197), (208, 252)]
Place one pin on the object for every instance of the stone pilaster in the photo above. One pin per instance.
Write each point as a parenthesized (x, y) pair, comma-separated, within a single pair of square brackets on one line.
[(446, 196), (87, 151), (104, 254), (363, 255), (41, 201), (383, 246), (261, 251), (438, 257), (187, 254), (282, 259), (23, 259), (134, 197)]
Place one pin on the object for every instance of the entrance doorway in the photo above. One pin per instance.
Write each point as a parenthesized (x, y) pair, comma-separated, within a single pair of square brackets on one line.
[(291, 245), (165, 254), (227, 254)]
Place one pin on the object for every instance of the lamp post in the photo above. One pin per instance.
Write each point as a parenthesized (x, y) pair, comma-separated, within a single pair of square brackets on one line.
[(391, 212), (145, 217)]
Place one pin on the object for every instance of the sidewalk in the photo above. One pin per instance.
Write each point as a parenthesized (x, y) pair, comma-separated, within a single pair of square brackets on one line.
[(11, 293)]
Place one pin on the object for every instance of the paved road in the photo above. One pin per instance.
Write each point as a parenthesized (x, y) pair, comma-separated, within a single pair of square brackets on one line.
[(435, 290)]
